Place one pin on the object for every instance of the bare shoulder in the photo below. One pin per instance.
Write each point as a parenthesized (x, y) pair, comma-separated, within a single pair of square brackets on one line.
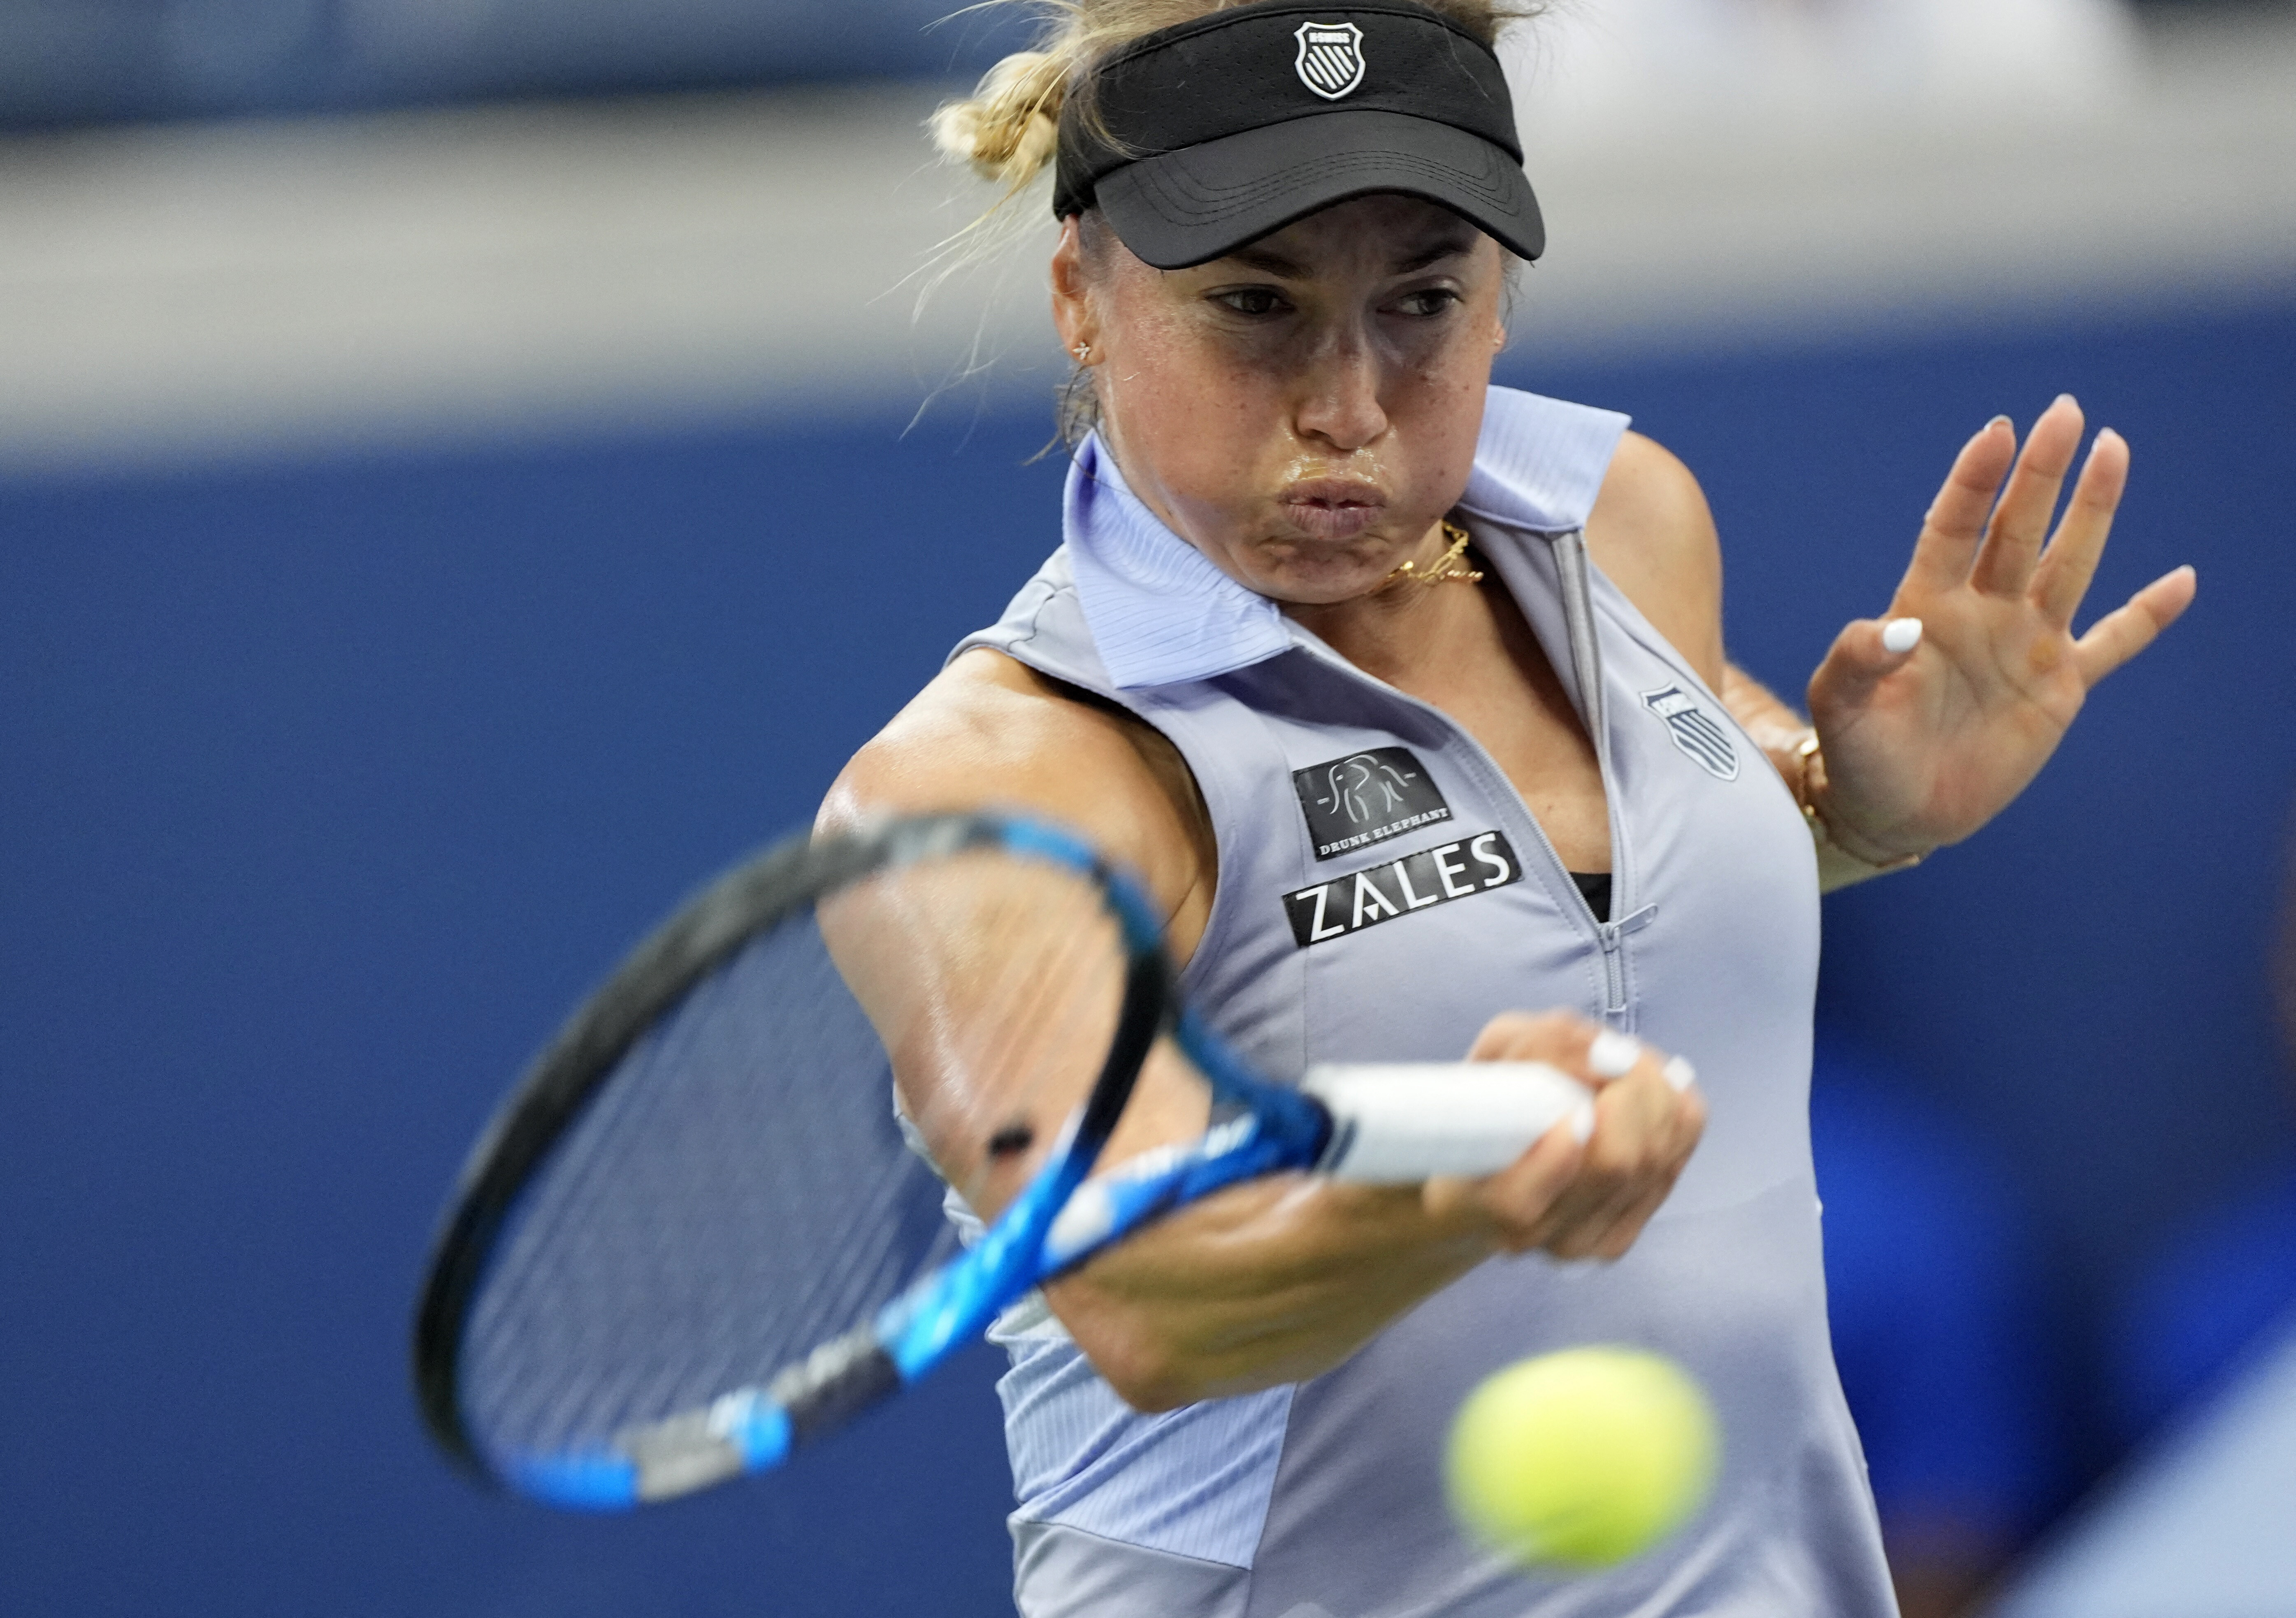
[(1652, 532), (989, 732)]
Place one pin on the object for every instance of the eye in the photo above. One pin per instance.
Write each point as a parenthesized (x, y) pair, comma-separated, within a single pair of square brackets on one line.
[(1434, 300), (1253, 300)]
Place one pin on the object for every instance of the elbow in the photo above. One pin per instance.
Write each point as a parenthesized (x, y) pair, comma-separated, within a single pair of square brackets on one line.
[(1154, 1395), (1143, 1352), (1153, 1377), (1154, 1367), (1153, 1398), (1149, 1375)]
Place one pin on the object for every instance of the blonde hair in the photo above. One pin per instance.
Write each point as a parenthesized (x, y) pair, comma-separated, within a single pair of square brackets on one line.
[(1008, 129)]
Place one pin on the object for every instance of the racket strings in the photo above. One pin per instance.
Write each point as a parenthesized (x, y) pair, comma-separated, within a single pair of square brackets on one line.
[(672, 1250), (737, 1192)]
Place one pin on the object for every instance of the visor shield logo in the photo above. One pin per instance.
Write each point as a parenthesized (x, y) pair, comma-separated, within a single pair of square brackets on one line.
[(1331, 60)]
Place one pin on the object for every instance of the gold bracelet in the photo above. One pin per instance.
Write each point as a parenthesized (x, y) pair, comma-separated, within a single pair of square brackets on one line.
[(1807, 751)]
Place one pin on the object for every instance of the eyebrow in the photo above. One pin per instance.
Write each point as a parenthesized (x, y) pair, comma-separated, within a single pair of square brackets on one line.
[(1451, 247), (1275, 264)]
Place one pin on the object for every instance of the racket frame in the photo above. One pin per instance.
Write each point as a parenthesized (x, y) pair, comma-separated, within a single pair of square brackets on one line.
[(749, 1429)]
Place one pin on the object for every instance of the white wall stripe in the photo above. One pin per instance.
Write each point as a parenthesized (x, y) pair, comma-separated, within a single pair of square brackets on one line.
[(275, 288)]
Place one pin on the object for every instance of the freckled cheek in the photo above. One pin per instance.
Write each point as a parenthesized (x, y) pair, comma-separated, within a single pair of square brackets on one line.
[(1436, 407), (1204, 427)]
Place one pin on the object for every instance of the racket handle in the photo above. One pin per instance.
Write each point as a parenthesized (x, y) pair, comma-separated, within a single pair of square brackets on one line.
[(1396, 1123)]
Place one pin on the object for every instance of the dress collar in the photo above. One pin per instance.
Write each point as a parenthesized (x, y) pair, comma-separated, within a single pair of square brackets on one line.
[(1159, 612)]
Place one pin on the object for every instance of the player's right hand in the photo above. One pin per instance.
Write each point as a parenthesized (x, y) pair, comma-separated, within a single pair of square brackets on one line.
[(1589, 1186)]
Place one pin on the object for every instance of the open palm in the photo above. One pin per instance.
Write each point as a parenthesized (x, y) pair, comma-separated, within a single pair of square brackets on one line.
[(1923, 746)]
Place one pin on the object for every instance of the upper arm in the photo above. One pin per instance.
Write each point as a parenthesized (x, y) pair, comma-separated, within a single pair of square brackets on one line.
[(989, 734), (1650, 532)]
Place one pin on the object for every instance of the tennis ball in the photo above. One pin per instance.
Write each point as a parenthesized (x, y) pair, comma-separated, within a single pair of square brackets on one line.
[(1578, 1460)]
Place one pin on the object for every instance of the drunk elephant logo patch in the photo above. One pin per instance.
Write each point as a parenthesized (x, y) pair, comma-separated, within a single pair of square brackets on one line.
[(1365, 798)]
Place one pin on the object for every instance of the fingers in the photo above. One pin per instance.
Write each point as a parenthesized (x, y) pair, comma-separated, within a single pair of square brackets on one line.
[(2020, 521), (1545, 1036), (1644, 1130), (1866, 653), (2003, 547), (2121, 634), (2064, 576), (1513, 1203), (1955, 524), (1587, 1188), (1517, 1198)]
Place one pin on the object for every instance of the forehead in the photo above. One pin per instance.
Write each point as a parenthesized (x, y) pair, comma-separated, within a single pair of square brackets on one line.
[(1382, 233)]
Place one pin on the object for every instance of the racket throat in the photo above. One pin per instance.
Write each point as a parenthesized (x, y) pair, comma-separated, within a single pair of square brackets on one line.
[(754, 1428)]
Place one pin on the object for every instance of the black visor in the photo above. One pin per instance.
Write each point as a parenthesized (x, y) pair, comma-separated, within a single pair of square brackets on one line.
[(1234, 125)]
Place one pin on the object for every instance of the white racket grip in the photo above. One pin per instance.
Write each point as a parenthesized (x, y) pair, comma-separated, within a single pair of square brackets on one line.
[(1397, 1123)]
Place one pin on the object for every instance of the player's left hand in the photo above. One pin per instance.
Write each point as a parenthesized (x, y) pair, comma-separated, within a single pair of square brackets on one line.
[(1923, 745)]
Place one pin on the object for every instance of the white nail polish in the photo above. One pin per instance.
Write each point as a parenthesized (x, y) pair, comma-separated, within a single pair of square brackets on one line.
[(1678, 1072), (1582, 1122), (1613, 1054), (1901, 634)]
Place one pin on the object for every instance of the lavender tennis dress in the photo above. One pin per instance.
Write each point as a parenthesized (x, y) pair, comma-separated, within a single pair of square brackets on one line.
[(1384, 891)]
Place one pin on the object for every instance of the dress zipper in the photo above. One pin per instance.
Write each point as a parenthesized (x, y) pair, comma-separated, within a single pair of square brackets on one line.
[(1569, 553)]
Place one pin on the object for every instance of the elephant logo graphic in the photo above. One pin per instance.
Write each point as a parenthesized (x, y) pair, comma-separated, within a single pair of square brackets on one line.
[(1365, 798), (1365, 787)]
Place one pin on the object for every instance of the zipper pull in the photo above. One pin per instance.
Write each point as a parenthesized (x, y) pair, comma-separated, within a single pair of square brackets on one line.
[(1612, 936)]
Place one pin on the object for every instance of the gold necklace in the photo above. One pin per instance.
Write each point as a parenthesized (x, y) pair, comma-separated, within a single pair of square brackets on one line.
[(1447, 569)]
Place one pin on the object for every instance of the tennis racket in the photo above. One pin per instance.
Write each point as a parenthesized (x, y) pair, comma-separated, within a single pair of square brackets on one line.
[(700, 1234)]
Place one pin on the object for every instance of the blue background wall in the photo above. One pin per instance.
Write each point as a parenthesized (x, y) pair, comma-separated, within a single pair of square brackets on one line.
[(66, 61), (330, 788)]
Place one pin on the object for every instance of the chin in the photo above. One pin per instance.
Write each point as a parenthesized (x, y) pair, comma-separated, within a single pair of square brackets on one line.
[(1310, 570), (1316, 587)]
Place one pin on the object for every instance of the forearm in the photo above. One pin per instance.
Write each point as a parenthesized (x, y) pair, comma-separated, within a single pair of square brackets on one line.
[(1266, 1283), (1283, 1280)]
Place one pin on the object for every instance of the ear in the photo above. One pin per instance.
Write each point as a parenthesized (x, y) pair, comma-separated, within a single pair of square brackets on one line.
[(1071, 302)]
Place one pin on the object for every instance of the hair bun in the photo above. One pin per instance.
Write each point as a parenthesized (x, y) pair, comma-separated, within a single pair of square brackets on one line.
[(1009, 128)]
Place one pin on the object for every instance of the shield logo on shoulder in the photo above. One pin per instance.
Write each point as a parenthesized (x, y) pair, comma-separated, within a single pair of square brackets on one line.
[(1331, 60)]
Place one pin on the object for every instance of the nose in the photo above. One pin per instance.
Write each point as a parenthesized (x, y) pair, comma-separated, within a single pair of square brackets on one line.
[(1339, 400)]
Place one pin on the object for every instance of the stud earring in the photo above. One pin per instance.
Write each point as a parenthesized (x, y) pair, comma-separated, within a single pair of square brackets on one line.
[(1083, 352)]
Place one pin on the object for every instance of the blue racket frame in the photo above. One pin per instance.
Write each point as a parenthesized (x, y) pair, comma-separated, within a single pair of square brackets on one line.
[(1060, 1220)]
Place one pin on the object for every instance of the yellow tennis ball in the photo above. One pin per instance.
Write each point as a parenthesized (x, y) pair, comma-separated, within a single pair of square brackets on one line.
[(1580, 1460)]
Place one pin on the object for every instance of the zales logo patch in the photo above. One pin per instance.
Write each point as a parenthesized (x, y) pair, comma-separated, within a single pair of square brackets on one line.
[(1349, 904), (1365, 798)]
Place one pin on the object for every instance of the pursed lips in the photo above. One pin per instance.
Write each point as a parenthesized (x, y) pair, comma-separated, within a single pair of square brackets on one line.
[(1333, 508)]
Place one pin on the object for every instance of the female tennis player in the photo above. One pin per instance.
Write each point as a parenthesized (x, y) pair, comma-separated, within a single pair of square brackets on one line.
[(1406, 697)]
